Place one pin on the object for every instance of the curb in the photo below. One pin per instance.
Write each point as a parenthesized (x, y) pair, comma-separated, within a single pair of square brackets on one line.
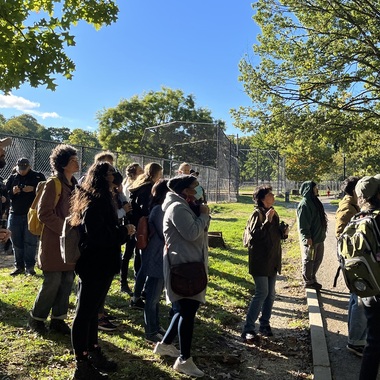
[(321, 361)]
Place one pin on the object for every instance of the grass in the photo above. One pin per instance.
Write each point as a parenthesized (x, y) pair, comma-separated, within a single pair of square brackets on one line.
[(24, 355)]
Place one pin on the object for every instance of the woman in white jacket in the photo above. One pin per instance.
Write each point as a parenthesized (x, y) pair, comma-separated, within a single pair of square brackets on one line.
[(185, 232)]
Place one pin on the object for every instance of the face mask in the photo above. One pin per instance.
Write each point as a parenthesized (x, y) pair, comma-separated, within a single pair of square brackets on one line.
[(199, 192), (117, 179)]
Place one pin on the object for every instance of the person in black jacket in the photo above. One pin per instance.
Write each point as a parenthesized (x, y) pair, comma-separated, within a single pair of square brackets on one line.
[(93, 206), (21, 187), (264, 253)]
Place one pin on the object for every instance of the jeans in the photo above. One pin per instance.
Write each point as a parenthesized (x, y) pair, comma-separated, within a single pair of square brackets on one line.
[(357, 321), (153, 290), (24, 243), (182, 324), (371, 354), (310, 266), (262, 301), (53, 295), (92, 293)]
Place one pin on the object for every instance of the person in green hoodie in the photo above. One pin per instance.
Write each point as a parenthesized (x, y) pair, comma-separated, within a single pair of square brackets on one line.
[(312, 227)]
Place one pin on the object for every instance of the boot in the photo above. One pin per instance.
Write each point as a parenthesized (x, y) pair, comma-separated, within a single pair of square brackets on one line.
[(86, 371), (100, 361)]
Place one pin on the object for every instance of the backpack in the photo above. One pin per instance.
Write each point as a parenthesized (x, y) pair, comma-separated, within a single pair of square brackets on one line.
[(35, 226), (359, 252), (70, 242), (142, 233)]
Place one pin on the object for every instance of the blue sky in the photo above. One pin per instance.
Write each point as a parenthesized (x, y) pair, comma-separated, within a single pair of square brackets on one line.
[(194, 46)]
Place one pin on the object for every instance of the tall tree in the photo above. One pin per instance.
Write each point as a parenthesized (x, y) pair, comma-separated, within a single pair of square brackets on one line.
[(24, 125), (84, 138), (61, 134), (35, 34), (146, 125)]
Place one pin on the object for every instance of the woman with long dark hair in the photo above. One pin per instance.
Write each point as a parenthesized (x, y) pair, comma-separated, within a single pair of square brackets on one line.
[(93, 208)]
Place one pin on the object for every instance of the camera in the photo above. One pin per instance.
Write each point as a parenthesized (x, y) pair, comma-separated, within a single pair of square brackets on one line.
[(21, 185), (283, 227), (3, 223)]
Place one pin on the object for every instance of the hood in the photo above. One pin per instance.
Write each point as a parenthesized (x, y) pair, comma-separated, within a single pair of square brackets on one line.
[(170, 198), (306, 189)]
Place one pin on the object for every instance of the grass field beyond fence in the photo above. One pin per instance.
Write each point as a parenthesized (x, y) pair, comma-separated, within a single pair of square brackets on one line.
[(24, 355)]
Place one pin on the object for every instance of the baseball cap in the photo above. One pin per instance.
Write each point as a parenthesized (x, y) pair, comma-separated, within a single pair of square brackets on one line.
[(367, 187), (23, 163), (5, 142)]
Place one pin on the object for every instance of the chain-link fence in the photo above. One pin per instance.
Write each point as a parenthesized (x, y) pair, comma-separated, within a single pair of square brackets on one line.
[(216, 160)]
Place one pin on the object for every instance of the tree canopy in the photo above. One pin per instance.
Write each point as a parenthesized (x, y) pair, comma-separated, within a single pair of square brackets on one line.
[(35, 34)]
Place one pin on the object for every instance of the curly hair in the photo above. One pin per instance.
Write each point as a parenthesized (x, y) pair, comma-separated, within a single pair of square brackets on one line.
[(348, 185), (60, 156), (260, 193), (94, 186)]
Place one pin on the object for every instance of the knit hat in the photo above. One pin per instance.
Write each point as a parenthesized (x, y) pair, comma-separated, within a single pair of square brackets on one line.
[(367, 187), (180, 183)]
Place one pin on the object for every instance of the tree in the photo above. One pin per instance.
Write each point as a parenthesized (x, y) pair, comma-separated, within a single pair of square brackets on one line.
[(24, 125), (35, 34), (61, 134), (84, 138), (319, 54), (131, 127)]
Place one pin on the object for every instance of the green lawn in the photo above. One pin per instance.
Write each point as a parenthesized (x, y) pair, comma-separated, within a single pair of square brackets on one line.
[(24, 355)]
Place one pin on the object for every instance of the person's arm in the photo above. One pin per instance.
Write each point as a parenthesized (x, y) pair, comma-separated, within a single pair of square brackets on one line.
[(304, 223)]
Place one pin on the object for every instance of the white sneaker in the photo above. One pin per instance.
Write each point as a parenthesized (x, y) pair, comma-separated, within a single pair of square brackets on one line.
[(187, 367), (166, 350)]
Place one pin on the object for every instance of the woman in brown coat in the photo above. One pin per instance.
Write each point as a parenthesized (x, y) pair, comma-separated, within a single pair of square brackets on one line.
[(58, 276)]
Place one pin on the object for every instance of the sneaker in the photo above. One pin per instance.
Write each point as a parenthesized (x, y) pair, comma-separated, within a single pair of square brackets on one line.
[(249, 336), (17, 271), (59, 326), (266, 331), (126, 289), (85, 370), (357, 350), (111, 318), (166, 350), (100, 361), (37, 326), (154, 338), (187, 367), (138, 304), (30, 272), (105, 325)]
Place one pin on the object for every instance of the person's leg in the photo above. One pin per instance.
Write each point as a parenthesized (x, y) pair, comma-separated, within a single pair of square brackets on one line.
[(268, 302), (61, 302), (371, 355), (30, 245), (46, 296), (307, 266), (128, 253), (16, 227), (188, 309), (261, 293), (172, 330), (153, 289), (357, 322), (319, 249)]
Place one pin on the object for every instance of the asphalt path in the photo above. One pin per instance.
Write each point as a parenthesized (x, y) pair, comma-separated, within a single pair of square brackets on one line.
[(334, 305)]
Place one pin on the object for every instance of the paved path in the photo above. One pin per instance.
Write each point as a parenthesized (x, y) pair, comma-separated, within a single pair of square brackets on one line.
[(334, 304)]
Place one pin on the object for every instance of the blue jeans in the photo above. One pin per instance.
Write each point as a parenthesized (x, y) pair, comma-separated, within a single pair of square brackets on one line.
[(371, 354), (357, 321), (310, 266), (262, 302), (153, 290), (24, 243), (53, 295)]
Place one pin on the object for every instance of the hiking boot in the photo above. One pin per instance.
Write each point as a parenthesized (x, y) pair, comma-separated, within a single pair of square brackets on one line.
[(154, 338), (37, 326), (138, 304), (187, 367), (86, 371), (266, 331), (30, 272), (100, 361), (249, 337), (357, 350), (166, 350), (105, 324), (59, 326), (17, 271), (126, 289)]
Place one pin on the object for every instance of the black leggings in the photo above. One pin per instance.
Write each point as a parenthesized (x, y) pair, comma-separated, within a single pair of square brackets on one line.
[(182, 324), (130, 248), (91, 295)]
